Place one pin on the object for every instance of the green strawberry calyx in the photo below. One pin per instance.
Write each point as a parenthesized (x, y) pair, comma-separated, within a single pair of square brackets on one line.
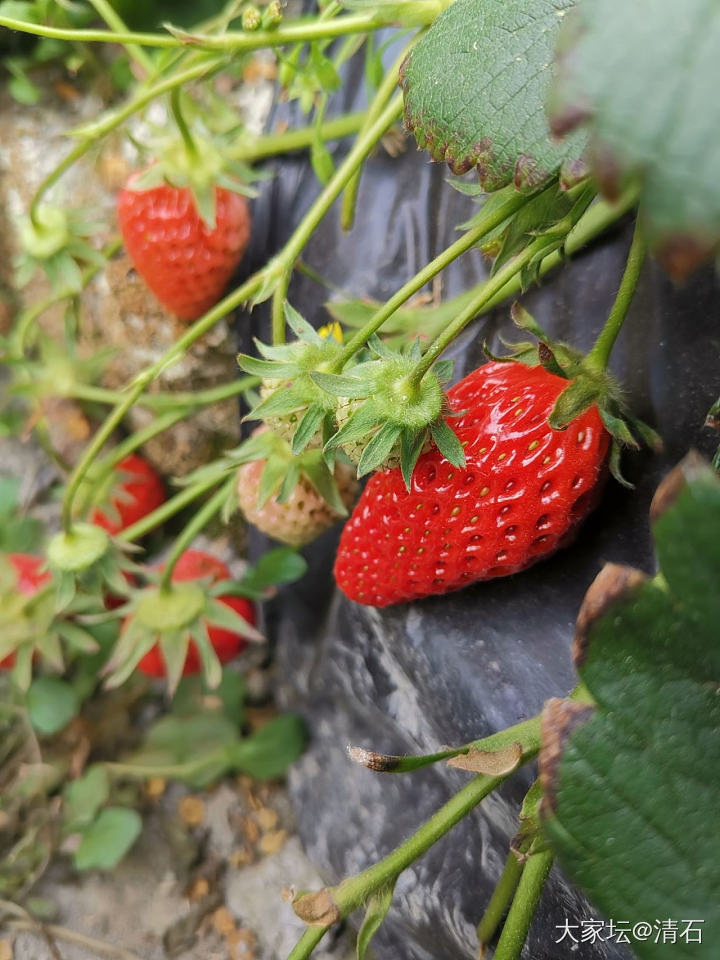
[(384, 417), (31, 628), (86, 561), (56, 240), (589, 384), (291, 403), (172, 616), (199, 161)]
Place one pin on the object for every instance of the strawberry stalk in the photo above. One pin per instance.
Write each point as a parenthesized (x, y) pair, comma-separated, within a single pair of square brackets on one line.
[(382, 95), (182, 403), (204, 515), (354, 891), (508, 279), (470, 239), (524, 903), (500, 900), (599, 355), (168, 509), (118, 25), (285, 262)]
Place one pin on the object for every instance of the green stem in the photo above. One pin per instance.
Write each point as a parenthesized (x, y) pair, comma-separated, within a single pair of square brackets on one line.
[(194, 527), (176, 109), (330, 192), (524, 904), (599, 355), (270, 144), (28, 317), (143, 379), (419, 13), (188, 402), (167, 510), (116, 24), (354, 891), (484, 225), (382, 95), (500, 900), (508, 280), (94, 131)]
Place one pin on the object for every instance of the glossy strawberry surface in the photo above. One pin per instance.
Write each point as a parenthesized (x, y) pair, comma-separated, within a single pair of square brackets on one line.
[(138, 492), (197, 565), (185, 263), (522, 493), (29, 578)]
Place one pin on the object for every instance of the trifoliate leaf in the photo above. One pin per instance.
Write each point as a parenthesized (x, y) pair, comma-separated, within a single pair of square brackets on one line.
[(631, 785), (642, 79), (475, 87)]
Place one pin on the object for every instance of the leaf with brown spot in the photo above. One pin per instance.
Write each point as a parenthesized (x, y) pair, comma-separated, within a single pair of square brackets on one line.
[(631, 785), (642, 81), (475, 87)]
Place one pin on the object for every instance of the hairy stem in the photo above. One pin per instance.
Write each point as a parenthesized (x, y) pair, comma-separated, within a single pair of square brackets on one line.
[(167, 510), (460, 246), (143, 379), (416, 13), (117, 24), (599, 355), (270, 144), (294, 247), (501, 897), (30, 315), (508, 280), (382, 95), (354, 891), (204, 515), (524, 904), (176, 109), (182, 403)]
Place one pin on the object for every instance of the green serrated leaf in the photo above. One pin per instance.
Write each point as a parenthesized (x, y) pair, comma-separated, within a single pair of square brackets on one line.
[(632, 784), (106, 841), (475, 87), (642, 81)]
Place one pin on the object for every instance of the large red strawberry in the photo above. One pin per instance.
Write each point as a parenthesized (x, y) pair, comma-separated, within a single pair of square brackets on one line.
[(29, 578), (522, 493), (197, 565), (186, 263), (137, 492)]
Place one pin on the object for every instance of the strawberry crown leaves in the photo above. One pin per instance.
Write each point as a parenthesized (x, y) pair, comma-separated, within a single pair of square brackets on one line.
[(86, 560), (32, 628), (289, 390), (56, 240), (587, 386), (209, 164), (172, 617), (389, 415)]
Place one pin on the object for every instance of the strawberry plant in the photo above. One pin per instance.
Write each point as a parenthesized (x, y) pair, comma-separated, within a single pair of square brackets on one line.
[(559, 119)]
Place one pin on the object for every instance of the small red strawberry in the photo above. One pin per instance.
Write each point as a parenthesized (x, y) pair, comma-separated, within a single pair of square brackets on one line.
[(183, 259), (137, 492), (197, 565), (522, 493), (29, 578)]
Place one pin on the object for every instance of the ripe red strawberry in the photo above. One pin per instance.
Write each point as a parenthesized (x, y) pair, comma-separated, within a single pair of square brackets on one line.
[(137, 493), (197, 565), (185, 263), (523, 492), (29, 578)]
